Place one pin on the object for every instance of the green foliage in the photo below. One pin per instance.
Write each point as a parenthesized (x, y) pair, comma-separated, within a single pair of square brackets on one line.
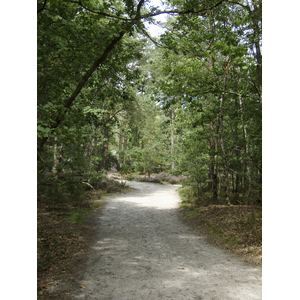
[(207, 71), (77, 217)]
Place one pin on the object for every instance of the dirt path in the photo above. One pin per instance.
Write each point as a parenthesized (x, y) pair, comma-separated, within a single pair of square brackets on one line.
[(144, 251)]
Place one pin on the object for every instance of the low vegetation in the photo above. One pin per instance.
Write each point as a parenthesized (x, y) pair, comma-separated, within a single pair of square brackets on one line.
[(162, 177), (236, 228)]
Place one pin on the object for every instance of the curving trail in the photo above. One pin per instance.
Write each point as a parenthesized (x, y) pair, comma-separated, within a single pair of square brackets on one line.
[(144, 251)]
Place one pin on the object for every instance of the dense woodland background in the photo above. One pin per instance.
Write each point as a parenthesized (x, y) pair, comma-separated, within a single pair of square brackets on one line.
[(188, 103)]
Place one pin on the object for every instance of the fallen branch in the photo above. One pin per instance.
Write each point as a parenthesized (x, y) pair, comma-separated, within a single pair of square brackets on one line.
[(88, 185)]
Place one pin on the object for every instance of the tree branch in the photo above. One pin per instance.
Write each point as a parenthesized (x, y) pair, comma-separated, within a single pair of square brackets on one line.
[(99, 12), (244, 6), (42, 7), (139, 17), (182, 12), (237, 94), (152, 40), (138, 9), (115, 114), (80, 85)]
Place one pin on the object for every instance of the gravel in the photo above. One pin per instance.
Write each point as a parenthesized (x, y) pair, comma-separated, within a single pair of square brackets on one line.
[(144, 251)]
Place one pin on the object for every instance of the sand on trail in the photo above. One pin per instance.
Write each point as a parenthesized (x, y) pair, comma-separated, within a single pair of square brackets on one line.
[(144, 251)]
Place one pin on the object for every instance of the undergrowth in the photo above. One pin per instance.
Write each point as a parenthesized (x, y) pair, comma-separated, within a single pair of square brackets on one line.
[(236, 228), (62, 230), (156, 178)]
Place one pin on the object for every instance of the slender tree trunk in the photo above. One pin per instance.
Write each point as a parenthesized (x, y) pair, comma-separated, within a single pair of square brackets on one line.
[(220, 181), (124, 149), (172, 137), (120, 147), (54, 155), (237, 186), (214, 149), (237, 153), (104, 150), (224, 157), (215, 142), (61, 158), (150, 149), (142, 147), (92, 147), (245, 136), (256, 16), (221, 135)]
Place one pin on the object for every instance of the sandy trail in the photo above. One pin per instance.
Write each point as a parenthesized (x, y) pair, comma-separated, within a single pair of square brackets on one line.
[(144, 251)]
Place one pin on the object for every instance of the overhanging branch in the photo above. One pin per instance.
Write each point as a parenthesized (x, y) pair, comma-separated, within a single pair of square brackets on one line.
[(80, 85), (139, 17), (42, 7)]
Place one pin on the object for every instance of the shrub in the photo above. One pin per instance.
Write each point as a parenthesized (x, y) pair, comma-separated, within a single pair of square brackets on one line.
[(174, 180), (110, 185), (149, 179)]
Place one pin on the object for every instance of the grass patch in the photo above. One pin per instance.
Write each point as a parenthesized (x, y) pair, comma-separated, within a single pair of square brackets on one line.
[(232, 240), (78, 216), (185, 205), (99, 204)]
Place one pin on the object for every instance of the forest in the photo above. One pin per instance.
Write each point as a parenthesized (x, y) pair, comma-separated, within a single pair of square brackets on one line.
[(183, 106), (187, 103)]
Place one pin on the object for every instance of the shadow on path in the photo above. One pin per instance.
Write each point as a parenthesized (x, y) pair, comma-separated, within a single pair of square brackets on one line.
[(143, 251)]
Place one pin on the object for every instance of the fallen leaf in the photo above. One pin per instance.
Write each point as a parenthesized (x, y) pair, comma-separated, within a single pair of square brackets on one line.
[(82, 286)]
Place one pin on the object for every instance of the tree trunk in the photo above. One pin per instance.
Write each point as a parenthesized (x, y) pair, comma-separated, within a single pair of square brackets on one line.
[(124, 149), (172, 137), (256, 17), (224, 156), (150, 149), (104, 150), (120, 147), (237, 152), (245, 136), (214, 167), (54, 155)]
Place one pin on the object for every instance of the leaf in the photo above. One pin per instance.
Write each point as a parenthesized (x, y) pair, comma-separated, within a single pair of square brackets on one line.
[(82, 286)]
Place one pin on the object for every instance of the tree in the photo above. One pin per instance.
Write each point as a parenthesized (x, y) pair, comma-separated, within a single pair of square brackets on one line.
[(211, 72)]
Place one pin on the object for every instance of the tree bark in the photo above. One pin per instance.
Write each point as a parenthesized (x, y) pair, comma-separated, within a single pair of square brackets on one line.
[(172, 137), (245, 136), (54, 155), (224, 157), (214, 167), (104, 150), (120, 147), (124, 149), (150, 149), (256, 16), (221, 135)]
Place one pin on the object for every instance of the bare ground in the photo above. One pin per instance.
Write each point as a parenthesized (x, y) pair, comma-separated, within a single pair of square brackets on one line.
[(140, 249)]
